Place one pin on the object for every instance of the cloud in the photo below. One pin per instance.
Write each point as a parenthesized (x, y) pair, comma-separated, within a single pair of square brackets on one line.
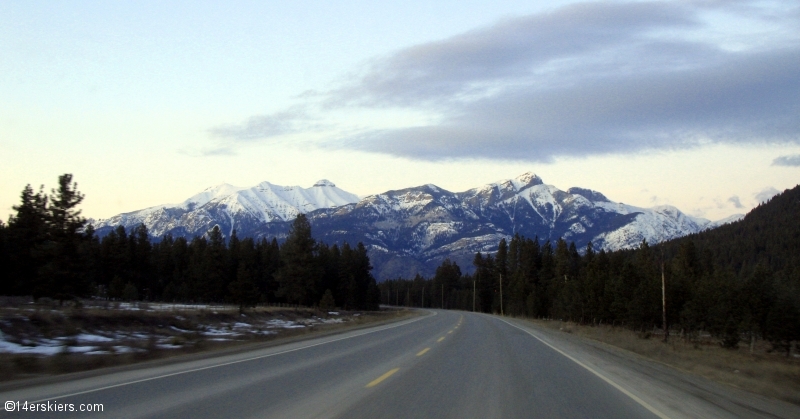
[(511, 50), (748, 98), (584, 79), (259, 127), (209, 151), (605, 85), (736, 202), (792, 160), (766, 194), (219, 151)]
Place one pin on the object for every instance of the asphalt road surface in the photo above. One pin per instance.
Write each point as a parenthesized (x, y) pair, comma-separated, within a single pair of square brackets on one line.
[(441, 365)]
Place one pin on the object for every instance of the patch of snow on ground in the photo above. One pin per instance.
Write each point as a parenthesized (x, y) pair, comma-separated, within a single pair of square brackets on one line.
[(212, 331), (80, 349), (180, 330), (15, 348), (283, 324), (85, 337)]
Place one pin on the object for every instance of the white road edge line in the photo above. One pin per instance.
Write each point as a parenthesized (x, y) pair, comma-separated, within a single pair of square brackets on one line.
[(588, 368), (232, 362)]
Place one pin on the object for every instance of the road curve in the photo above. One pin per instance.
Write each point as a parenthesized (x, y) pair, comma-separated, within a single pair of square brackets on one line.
[(443, 365), (447, 364)]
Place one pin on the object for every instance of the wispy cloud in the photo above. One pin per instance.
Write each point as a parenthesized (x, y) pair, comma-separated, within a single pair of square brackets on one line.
[(766, 194), (513, 50), (792, 160), (259, 127), (584, 79), (736, 202)]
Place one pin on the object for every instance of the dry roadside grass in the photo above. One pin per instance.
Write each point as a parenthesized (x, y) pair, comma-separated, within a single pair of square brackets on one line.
[(153, 334), (765, 372)]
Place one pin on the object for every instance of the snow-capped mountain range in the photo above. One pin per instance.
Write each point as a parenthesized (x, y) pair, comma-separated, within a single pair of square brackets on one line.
[(236, 207), (412, 230)]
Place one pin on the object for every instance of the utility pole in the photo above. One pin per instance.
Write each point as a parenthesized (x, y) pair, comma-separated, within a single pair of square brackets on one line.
[(408, 299), (442, 296), (664, 298), (501, 295), (423, 296), (473, 295)]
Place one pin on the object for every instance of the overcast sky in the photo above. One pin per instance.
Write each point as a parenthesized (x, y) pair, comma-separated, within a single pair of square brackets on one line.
[(688, 103)]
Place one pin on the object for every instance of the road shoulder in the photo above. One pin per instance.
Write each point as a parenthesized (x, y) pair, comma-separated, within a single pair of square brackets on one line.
[(675, 393)]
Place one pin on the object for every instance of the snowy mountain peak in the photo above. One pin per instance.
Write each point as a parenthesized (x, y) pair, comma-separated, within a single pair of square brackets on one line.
[(214, 192), (324, 182), (589, 194), (518, 184), (526, 179), (233, 207)]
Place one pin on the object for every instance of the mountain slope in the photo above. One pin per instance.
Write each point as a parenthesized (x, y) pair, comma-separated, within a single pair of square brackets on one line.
[(412, 230), (231, 207)]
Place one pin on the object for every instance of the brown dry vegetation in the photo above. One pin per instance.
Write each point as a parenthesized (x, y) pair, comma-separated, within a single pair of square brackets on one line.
[(766, 372), (148, 334)]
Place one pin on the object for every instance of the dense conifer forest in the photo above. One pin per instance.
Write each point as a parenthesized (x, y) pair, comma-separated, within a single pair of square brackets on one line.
[(738, 282), (47, 250)]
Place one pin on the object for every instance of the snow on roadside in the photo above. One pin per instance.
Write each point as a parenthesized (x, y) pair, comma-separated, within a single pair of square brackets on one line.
[(105, 335)]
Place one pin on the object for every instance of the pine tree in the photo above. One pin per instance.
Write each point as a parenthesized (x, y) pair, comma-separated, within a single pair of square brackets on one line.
[(501, 277), (141, 264), (269, 264), (299, 273), (26, 234), (484, 282), (243, 289), (214, 276), (447, 278), (6, 282), (327, 302), (62, 272)]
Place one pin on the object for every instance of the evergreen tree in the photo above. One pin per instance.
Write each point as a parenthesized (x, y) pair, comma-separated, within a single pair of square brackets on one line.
[(6, 284), (299, 273), (26, 235), (62, 271), (214, 278), (484, 282), (327, 302), (243, 289), (141, 264), (501, 277), (269, 264), (448, 275)]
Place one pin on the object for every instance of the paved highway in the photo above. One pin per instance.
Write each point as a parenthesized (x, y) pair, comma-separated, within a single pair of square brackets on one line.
[(441, 365)]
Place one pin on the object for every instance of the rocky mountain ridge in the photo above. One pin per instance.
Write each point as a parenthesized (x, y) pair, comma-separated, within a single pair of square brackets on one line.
[(412, 230)]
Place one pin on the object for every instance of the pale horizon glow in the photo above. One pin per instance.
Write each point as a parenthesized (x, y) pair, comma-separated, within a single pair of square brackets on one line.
[(692, 104)]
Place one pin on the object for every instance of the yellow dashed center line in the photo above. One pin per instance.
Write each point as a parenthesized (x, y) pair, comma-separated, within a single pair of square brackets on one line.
[(422, 352), (378, 380), (440, 339), (449, 332)]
